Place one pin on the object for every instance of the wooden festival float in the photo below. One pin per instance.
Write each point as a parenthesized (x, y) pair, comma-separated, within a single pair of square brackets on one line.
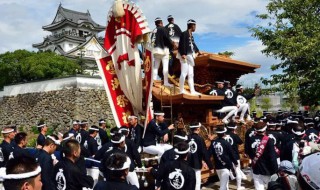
[(185, 108)]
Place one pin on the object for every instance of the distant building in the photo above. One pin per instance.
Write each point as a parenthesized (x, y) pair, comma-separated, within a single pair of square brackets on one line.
[(74, 35)]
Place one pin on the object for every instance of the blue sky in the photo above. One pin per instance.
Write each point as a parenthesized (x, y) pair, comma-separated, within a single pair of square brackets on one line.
[(222, 25)]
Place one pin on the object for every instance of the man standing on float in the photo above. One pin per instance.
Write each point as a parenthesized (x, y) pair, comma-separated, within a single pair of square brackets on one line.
[(162, 44), (188, 51)]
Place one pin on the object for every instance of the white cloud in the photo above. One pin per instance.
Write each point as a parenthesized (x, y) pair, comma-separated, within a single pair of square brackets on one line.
[(251, 52)]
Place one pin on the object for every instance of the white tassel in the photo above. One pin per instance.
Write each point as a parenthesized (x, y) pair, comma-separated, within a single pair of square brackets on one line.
[(118, 10)]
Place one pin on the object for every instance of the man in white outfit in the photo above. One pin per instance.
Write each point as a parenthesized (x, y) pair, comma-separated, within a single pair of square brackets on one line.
[(162, 44), (188, 51)]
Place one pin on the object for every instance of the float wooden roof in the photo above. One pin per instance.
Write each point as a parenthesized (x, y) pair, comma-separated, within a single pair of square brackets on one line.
[(166, 94), (223, 62)]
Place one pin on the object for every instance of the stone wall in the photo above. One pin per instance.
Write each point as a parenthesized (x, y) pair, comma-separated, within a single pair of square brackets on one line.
[(58, 108)]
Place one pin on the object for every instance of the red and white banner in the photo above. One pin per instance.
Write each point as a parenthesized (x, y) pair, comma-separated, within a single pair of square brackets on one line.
[(120, 65), (121, 43), (120, 105), (147, 63)]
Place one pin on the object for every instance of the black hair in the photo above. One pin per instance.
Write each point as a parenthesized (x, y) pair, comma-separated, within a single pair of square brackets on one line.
[(190, 25), (20, 137), (19, 165), (70, 146), (170, 20), (158, 22), (116, 161), (182, 146), (93, 131), (114, 130), (49, 141), (83, 124)]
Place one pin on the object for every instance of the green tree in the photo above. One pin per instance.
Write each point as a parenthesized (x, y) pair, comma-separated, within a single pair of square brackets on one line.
[(23, 66), (291, 34), (226, 53), (266, 103)]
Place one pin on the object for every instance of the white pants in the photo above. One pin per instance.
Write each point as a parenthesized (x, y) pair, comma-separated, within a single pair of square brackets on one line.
[(224, 175), (158, 149), (239, 174), (232, 110), (132, 179), (260, 181), (165, 67), (243, 109), (187, 70), (198, 178), (94, 172)]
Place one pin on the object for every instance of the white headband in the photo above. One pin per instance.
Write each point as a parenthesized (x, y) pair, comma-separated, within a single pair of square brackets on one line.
[(75, 123), (93, 129), (182, 152), (310, 123), (298, 132), (57, 142), (126, 165), (191, 21), (7, 131), (123, 129), (195, 126), (271, 124), (262, 130), (159, 114), (181, 137), (232, 127), (42, 125), (132, 117), (24, 175), (292, 121), (102, 121), (120, 141), (239, 87), (68, 137), (220, 132), (85, 122)]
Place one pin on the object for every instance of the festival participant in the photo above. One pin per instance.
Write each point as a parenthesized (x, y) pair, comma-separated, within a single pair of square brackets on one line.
[(105, 147), (173, 29), (161, 49), (91, 144), (67, 174), (311, 133), (229, 104), (224, 158), (157, 128), (170, 155), (233, 138), (44, 157), (187, 52), (75, 130), (263, 156), (132, 151), (119, 146), (20, 145), (42, 128), (84, 125), (102, 137), (6, 148), (198, 153), (118, 165), (177, 174), (242, 99), (275, 136), (136, 131), (22, 173)]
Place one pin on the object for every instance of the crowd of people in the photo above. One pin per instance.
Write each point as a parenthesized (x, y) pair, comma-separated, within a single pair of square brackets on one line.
[(282, 147)]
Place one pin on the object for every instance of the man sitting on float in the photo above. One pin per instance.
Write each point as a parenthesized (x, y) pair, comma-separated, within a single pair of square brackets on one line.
[(156, 131)]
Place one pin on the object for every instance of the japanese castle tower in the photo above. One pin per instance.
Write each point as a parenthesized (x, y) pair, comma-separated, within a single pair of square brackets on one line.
[(73, 34)]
